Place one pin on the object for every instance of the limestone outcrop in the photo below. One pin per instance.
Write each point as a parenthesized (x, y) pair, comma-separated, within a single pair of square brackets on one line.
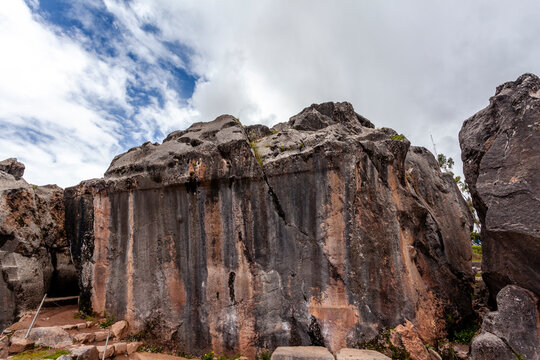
[(323, 231), (34, 252), (500, 149)]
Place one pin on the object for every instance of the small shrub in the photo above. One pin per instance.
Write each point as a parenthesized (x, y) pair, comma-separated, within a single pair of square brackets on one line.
[(265, 355), (150, 348), (106, 322), (208, 356), (136, 337), (462, 333), (399, 137)]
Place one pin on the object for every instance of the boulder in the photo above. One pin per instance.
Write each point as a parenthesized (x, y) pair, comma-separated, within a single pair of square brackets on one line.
[(4, 347), (12, 167), (406, 337), (119, 329), (256, 132), (53, 337), (356, 354), (325, 233), (85, 352), (19, 344), (500, 149), (516, 323), (487, 346), (64, 357), (301, 352)]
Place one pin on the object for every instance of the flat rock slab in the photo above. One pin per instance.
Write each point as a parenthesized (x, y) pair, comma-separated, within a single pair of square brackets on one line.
[(356, 354), (152, 356), (54, 336), (302, 352)]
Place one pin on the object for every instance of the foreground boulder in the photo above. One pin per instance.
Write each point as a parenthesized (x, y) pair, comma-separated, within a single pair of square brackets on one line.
[(302, 353), (513, 329), (34, 253), (53, 337), (500, 149), (323, 233)]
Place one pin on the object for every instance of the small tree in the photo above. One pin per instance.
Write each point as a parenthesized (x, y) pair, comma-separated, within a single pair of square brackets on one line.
[(446, 165)]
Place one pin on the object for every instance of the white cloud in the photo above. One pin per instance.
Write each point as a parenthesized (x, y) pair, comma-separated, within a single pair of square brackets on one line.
[(58, 100), (420, 67)]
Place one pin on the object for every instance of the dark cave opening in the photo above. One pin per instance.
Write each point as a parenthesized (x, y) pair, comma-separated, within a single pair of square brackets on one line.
[(64, 281)]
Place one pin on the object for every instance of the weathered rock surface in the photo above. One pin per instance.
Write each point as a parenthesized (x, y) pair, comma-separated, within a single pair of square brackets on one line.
[(34, 253), (500, 149), (302, 353), (487, 346), (4, 346), (19, 344), (356, 354), (324, 233), (12, 167), (406, 337), (86, 352), (119, 329), (53, 336), (516, 324)]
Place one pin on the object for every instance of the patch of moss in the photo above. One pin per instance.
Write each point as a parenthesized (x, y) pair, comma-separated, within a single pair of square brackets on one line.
[(253, 146), (40, 354), (399, 137)]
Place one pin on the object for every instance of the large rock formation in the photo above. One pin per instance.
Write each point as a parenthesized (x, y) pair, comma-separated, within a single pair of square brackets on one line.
[(34, 253), (513, 329), (323, 233), (500, 149)]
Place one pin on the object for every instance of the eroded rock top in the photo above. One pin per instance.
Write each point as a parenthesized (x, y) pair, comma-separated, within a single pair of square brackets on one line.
[(224, 147)]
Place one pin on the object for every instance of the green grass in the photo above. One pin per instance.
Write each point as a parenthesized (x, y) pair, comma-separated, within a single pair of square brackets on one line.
[(477, 253), (150, 348), (253, 146), (40, 354), (107, 322), (399, 137)]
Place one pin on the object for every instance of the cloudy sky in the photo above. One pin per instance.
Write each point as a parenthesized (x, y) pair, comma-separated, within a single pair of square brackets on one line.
[(84, 80)]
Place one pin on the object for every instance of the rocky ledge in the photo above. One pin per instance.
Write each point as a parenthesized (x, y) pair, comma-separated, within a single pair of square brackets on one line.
[(321, 231)]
